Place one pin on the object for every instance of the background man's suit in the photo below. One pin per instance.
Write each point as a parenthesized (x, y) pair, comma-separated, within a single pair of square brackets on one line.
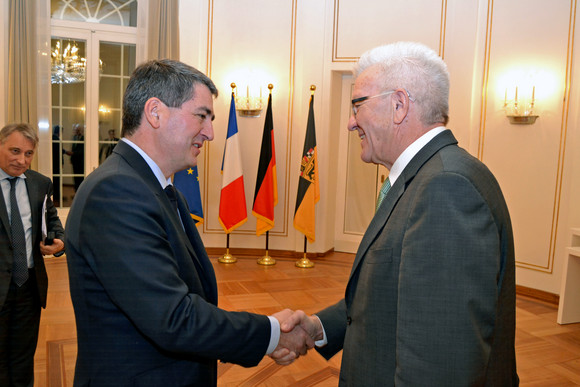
[(170, 332), (432, 287), (38, 187)]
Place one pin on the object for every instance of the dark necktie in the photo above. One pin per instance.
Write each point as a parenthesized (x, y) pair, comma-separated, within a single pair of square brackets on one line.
[(20, 267), (172, 195)]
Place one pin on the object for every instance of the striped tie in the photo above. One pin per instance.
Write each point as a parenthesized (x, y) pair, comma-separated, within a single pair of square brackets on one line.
[(20, 268), (383, 192)]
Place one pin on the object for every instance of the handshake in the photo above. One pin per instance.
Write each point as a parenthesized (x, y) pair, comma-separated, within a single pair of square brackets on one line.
[(298, 332)]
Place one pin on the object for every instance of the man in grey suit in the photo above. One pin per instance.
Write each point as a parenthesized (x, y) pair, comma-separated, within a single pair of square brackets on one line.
[(431, 296), (143, 288), (25, 203)]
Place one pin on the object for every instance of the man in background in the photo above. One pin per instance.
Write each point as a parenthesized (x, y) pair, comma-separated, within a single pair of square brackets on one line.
[(143, 288), (25, 209), (431, 297), (77, 154), (108, 145)]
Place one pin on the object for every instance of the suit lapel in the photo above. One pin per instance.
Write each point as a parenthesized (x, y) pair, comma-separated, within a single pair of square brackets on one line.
[(34, 197), (397, 190), (192, 241), (188, 238), (4, 215)]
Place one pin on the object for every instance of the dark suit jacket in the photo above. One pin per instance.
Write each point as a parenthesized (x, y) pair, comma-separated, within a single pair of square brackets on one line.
[(38, 187), (143, 290), (431, 296)]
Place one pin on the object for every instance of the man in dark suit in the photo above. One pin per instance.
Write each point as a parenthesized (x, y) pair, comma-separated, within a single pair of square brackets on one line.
[(25, 204), (77, 154), (143, 288), (431, 296)]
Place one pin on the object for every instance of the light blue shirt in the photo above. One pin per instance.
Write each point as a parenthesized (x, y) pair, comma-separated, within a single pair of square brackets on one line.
[(274, 324), (23, 207)]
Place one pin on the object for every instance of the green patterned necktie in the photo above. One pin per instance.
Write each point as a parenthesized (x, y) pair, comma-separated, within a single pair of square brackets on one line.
[(383, 192)]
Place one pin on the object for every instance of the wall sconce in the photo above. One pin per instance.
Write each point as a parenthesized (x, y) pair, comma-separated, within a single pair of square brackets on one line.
[(250, 105), (520, 112)]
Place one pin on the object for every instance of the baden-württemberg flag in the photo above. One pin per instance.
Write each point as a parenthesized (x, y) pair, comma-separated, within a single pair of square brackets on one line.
[(233, 212), (266, 194), (187, 181), (308, 188)]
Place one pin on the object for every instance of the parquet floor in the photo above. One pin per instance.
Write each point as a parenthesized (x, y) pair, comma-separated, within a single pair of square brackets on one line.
[(548, 354)]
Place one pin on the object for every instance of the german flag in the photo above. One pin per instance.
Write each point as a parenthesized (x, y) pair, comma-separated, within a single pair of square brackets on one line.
[(308, 188), (266, 194)]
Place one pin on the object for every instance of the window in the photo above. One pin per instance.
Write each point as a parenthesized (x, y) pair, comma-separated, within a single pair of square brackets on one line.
[(94, 51), (116, 12)]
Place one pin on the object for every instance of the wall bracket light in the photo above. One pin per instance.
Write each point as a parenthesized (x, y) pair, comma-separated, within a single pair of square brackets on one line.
[(250, 105), (520, 113)]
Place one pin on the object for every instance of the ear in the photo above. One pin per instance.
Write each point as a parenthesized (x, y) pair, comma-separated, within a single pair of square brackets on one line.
[(151, 111), (401, 105)]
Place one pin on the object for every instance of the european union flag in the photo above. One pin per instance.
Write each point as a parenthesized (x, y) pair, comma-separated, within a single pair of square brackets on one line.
[(187, 181)]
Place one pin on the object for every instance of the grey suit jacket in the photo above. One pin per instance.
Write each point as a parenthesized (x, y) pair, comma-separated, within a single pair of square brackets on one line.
[(144, 290), (38, 187), (431, 296)]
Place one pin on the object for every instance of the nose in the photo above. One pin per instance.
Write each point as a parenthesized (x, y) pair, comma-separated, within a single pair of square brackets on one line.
[(352, 125), (208, 131), (21, 158)]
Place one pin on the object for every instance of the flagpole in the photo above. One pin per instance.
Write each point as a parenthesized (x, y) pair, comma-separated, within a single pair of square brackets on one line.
[(266, 260), (305, 262), (227, 257)]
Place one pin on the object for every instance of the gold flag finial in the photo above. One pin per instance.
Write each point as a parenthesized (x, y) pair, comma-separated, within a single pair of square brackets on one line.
[(312, 88)]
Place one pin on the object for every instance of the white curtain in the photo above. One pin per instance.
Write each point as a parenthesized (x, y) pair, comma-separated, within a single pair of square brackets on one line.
[(163, 29), (22, 81)]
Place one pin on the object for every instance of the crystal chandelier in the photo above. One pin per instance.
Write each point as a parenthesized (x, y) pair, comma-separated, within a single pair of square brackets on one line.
[(67, 66)]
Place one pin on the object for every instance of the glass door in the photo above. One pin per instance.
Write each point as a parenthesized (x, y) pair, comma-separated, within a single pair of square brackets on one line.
[(87, 98), (93, 53)]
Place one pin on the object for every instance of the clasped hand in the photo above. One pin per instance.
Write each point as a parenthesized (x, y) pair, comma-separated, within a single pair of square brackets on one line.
[(298, 332)]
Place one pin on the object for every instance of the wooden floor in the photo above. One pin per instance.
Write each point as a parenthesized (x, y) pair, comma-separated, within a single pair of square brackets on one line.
[(548, 354)]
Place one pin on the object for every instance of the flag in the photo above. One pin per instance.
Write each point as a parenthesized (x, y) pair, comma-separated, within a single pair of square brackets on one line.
[(308, 188), (233, 212), (187, 181), (266, 194)]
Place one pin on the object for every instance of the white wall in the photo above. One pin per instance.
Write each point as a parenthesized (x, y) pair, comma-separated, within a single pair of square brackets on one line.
[(297, 43)]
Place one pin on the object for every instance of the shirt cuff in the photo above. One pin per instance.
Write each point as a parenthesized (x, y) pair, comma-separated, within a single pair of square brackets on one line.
[(274, 335), (324, 341)]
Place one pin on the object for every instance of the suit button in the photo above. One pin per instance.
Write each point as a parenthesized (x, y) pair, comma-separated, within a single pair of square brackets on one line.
[(348, 320)]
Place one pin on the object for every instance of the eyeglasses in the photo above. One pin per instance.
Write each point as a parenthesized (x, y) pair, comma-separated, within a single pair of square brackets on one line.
[(361, 100)]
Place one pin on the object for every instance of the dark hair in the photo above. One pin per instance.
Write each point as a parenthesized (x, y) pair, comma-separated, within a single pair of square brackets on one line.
[(26, 129), (171, 81)]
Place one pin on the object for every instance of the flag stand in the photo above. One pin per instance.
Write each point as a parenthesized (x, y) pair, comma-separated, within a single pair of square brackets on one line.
[(266, 260), (305, 262), (227, 257)]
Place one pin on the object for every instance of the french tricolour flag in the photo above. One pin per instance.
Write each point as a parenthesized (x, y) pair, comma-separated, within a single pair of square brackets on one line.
[(233, 211)]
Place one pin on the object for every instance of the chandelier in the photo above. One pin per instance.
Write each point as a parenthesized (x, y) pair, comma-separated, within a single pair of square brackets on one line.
[(66, 66)]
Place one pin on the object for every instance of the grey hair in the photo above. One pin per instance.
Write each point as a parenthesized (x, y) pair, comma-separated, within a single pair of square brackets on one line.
[(171, 81), (416, 68), (26, 129)]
